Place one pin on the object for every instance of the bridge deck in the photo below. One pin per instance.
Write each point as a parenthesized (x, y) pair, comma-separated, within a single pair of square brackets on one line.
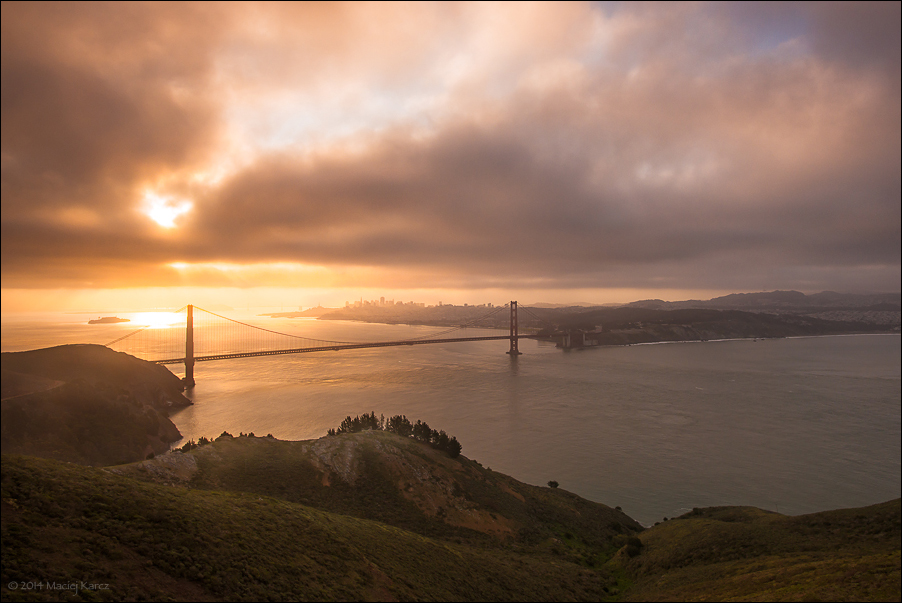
[(344, 346)]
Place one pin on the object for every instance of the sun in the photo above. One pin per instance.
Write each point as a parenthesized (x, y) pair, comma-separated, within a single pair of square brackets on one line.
[(164, 210), (158, 320)]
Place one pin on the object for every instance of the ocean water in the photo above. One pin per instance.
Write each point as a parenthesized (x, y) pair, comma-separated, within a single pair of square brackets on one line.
[(793, 425)]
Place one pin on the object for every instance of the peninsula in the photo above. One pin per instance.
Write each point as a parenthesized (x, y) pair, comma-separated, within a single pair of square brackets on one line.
[(754, 315)]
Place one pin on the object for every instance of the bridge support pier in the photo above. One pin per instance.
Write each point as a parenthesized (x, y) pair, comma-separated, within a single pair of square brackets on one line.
[(189, 349), (515, 338)]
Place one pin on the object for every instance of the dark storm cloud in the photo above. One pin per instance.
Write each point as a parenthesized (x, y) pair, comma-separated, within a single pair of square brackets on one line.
[(742, 147), (863, 35), (96, 99), (497, 198)]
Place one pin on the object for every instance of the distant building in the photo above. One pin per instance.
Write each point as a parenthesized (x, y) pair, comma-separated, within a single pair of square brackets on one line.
[(576, 338)]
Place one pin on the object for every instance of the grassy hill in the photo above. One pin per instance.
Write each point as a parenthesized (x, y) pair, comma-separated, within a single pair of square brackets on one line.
[(68, 524), (744, 553), (398, 481), (374, 516)]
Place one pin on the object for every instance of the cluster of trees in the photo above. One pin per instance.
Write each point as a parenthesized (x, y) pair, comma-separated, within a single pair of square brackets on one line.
[(191, 445), (402, 426), (203, 440)]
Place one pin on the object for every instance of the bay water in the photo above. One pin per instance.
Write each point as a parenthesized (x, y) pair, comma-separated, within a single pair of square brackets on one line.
[(792, 425)]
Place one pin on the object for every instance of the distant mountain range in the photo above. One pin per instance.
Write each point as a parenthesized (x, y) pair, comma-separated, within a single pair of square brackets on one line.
[(782, 300)]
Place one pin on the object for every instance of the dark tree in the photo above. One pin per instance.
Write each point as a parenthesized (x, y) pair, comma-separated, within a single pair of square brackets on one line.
[(441, 441), (400, 425), (369, 421), (454, 447), (422, 432)]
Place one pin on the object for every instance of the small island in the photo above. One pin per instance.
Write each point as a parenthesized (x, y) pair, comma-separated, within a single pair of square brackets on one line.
[(108, 320)]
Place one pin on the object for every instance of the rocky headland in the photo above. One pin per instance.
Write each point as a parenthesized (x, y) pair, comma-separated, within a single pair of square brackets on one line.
[(87, 404)]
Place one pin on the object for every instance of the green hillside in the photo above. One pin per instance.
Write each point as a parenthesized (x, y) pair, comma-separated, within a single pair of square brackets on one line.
[(369, 515), (746, 554), (395, 480), (67, 524), (374, 516)]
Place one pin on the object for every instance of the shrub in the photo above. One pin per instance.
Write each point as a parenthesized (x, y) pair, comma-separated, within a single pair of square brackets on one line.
[(553, 484)]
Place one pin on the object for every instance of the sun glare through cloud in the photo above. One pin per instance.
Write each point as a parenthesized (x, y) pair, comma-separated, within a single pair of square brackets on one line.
[(165, 210), (158, 320), (636, 147)]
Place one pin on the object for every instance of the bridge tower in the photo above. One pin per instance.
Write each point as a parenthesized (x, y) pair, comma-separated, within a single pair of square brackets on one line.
[(189, 349), (515, 338)]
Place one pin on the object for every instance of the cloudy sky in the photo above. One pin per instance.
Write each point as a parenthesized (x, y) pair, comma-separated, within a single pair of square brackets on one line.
[(473, 152)]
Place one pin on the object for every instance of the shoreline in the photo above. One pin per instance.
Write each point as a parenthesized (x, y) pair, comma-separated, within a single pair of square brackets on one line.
[(611, 345)]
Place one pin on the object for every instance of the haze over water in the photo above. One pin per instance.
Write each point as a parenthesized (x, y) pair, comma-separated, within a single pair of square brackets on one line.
[(793, 425)]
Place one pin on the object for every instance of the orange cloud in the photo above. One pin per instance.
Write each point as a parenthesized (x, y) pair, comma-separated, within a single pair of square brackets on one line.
[(461, 145)]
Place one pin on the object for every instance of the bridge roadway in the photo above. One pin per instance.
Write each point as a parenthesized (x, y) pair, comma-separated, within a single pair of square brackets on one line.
[(344, 346)]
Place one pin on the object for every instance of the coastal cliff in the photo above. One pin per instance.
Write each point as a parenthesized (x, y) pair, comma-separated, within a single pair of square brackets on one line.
[(87, 404)]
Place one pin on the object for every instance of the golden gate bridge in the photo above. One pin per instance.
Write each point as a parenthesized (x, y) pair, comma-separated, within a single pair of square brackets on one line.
[(208, 336)]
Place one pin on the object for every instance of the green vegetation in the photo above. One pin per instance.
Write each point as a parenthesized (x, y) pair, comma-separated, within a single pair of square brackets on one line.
[(383, 510), (83, 423), (68, 524), (375, 516), (744, 553), (395, 480), (402, 426)]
